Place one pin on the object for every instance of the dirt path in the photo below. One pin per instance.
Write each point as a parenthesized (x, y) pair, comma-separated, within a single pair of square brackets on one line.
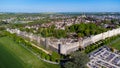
[(38, 47)]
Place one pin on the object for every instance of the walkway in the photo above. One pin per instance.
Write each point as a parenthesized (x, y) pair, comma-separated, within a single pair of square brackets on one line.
[(38, 47)]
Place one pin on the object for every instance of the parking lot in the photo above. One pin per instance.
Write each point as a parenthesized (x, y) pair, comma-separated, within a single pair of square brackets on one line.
[(103, 57)]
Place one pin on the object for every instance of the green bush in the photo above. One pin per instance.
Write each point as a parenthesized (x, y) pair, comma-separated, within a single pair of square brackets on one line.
[(94, 46)]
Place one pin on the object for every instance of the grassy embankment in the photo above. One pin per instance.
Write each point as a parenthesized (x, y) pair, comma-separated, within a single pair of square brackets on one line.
[(12, 55)]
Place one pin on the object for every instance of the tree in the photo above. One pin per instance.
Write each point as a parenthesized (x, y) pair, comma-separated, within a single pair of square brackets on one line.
[(72, 29), (52, 27), (59, 33), (78, 60), (44, 33), (69, 65), (80, 35), (87, 32)]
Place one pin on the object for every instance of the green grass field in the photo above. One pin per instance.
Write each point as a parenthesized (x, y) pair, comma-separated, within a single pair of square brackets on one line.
[(115, 44), (12, 55)]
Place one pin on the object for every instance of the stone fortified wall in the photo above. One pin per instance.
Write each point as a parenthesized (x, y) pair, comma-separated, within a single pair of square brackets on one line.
[(67, 47)]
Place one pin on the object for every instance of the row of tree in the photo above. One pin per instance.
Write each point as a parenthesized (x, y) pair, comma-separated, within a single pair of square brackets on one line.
[(86, 29), (98, 44)]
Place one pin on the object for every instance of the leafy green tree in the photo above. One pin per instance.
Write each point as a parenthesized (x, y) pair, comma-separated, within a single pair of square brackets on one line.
[(72, 29), (86, 29), (44, 33), (87, 32), (69, 65), (60, 33), (80, 35), (78, 60)]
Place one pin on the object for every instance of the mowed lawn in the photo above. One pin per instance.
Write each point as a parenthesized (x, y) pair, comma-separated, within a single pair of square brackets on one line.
[(12, 55), (116, 44)]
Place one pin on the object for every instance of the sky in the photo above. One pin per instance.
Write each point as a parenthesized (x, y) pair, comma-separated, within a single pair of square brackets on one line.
[(59, 5)]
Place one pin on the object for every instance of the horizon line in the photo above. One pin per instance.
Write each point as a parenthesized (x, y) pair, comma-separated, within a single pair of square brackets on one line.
[(64, 12)]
